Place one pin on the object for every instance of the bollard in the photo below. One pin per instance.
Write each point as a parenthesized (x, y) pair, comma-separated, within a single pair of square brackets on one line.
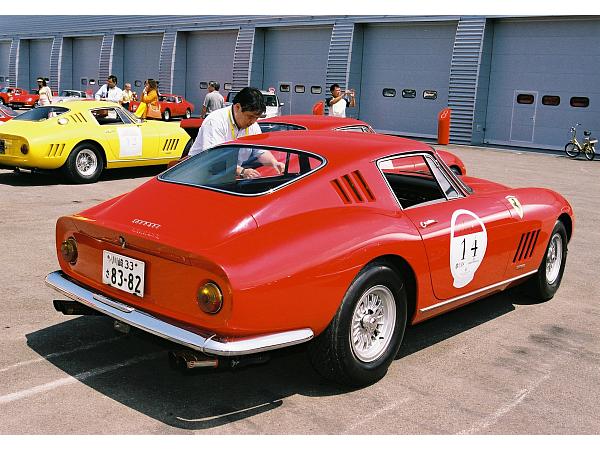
[(444, 126), (319, 108)]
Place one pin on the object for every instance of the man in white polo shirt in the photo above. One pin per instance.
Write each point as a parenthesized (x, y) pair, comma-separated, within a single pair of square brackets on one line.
[(110, 91), (235, 121)]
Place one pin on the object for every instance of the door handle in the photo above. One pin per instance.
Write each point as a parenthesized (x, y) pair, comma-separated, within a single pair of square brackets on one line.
[(426, 223), (109, 131)]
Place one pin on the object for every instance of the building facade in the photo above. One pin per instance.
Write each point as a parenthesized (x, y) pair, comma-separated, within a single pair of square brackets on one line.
[(519, 81)]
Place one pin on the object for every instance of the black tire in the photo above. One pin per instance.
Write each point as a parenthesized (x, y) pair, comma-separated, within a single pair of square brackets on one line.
[(572, 150), (166, 115), (84, 164), (544, 284), (333, 353), (187, 148), (188, 113), (590, 154)]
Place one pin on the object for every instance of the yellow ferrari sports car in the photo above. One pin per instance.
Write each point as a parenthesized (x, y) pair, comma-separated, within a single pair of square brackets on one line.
[(82, 138)]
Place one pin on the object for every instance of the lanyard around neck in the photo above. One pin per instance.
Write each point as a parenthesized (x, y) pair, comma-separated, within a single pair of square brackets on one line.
[(233, 136)]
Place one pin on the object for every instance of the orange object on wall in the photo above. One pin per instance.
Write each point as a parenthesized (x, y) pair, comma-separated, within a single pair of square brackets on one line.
[(319, 108), (444, 126)]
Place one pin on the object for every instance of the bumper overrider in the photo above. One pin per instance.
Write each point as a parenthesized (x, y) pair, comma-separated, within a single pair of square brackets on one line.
[(203, 341)]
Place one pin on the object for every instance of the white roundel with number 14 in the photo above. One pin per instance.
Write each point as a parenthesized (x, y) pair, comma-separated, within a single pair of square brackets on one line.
[(468, 242)]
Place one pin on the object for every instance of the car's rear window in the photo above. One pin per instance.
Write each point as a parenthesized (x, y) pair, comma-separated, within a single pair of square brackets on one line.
[(41, 113), (270, 100), (218, 169)]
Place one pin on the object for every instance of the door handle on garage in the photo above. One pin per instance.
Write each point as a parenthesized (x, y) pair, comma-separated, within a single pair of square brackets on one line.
[(426, 223)]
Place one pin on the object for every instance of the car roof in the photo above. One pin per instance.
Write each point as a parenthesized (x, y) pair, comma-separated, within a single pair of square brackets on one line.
[(336, 147), (316, 122)]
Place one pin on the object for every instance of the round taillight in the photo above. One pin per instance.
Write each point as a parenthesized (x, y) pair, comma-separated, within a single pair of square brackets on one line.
[(210, 298), (24, 149), (68, 250)]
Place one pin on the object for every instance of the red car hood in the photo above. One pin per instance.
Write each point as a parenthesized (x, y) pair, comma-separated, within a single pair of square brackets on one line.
[(171, 215)]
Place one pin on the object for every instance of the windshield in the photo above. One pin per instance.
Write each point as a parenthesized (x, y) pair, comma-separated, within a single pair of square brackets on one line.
[(7, 111), (42, 113), (5, 90), (243, 170)]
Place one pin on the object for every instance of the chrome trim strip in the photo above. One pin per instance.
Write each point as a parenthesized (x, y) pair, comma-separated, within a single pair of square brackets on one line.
[(141, 159), (478, 291), (144, 321)]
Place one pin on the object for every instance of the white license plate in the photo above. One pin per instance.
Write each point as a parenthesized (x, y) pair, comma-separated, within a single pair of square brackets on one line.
[(123, 273)]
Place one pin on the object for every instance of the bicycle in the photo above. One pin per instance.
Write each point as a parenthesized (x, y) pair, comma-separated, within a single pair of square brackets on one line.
[(574, 147)]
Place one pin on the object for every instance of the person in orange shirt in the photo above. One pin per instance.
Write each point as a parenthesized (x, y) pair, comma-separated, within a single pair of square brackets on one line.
[(151, 108)]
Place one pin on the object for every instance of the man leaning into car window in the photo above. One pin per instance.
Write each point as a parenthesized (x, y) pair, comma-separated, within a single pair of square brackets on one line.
[(235, 121)]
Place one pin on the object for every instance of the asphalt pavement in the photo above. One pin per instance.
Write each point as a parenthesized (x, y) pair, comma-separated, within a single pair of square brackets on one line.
[(502, 365)]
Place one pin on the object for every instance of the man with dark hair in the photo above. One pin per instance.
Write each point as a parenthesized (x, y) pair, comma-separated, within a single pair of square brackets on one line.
[(235, 121), (110, 91), (213, 100), (340, 100)]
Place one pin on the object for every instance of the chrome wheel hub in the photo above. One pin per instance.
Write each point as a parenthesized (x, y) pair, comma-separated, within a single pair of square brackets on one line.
[(554, 258), (86, 162), (373, 323)]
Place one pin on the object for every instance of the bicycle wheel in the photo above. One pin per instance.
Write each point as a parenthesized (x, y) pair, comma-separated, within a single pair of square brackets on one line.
[(590, 153), (572, 150)]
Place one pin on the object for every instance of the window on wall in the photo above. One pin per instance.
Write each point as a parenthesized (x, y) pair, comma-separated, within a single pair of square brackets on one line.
[(204, 85), (409, 93), (137, 83), (316, 90), (84, 81), (1, 79), (580, 102), (525, 99), (299, 89), (429, 95), (551, 100), (389, 92), (228, 86), (284, 88), (92, 81)]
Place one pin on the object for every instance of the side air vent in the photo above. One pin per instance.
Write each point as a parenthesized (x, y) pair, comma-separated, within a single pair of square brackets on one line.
[(352, 188), (78, 118), (56, 150), (170, 145), (526, 245)]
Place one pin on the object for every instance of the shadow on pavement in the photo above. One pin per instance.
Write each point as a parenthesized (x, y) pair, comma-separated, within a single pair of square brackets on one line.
[(209, 398), (48, 178)]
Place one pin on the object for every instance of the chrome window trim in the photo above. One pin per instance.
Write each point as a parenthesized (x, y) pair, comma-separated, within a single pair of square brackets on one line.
[(425, 154)]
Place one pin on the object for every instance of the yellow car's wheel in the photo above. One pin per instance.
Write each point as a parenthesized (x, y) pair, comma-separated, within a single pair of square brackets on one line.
[(84, 165)]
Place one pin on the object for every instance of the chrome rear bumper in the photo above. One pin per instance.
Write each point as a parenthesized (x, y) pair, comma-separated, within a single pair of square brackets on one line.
[(208, 343)]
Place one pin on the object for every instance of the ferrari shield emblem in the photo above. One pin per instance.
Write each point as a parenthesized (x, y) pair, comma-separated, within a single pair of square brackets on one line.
[(516, 204)]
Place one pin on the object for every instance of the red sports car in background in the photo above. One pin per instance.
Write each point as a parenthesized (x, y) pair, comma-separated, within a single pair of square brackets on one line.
[(359, 235), (6, 113), (17, 97), (321, 123), (171, 105)]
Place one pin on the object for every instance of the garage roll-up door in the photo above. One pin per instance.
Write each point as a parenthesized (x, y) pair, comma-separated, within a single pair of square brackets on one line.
[(4, 55), (405, 75), (295, 64), (543, 79), (209, 57)]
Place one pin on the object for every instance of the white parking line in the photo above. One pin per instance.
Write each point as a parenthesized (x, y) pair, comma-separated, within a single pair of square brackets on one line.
[(369, 417), (59, 354), (493, 418), (73, 379)]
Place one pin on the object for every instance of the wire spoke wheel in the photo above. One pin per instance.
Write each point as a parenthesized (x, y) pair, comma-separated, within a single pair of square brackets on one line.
[(373, 323), (554, 258), (590, 153), (86, 163)]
